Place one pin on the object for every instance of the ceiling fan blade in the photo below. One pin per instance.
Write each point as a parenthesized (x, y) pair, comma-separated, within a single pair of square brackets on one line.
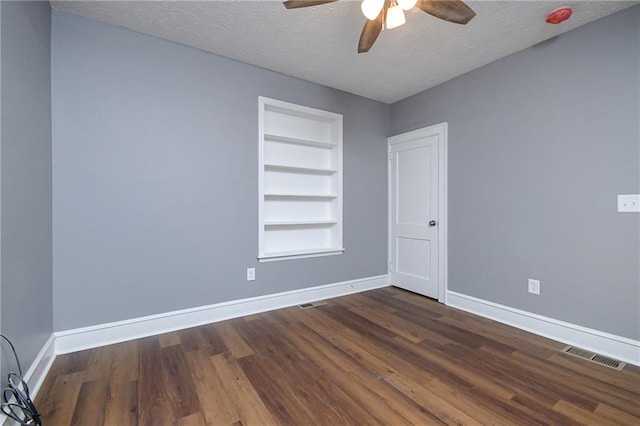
[(449, 10), (370, 33), (295, 4)]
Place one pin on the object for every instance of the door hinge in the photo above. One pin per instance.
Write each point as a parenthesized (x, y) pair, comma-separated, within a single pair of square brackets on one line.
[(390, 155)]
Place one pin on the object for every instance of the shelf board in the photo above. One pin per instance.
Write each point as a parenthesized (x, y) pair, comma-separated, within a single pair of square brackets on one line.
[(301, 196), (300, 223), (294, 169), (299, 141)]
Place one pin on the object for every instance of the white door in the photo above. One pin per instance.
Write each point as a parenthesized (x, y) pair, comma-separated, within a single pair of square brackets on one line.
[(416, 210)]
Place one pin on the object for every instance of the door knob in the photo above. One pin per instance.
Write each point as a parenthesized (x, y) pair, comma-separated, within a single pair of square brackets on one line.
[(432, 223)]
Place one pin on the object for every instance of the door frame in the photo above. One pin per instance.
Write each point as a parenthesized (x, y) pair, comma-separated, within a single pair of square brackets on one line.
[(443, 160)]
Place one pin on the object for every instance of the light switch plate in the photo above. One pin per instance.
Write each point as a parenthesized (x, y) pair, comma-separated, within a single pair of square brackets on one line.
[(629, 203)]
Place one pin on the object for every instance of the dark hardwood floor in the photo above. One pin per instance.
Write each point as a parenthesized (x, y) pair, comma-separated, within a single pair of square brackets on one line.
[(381, 357)]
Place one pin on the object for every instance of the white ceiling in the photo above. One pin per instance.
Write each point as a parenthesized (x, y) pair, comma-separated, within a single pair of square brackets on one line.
[(319, 43)]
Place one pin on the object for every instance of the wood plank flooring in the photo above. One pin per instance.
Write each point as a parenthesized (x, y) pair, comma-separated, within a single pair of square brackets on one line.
[(381, 357)]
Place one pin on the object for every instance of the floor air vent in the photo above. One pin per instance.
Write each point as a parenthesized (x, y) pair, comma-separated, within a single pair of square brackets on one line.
[(594, 357), (312, 304)]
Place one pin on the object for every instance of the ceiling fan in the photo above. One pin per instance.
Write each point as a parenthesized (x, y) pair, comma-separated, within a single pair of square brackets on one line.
[(389, 14)]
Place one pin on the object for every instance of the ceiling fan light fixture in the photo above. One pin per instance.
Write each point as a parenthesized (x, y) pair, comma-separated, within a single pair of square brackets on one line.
[(407, 4), (395, 16), (389, 14), (371, 8)]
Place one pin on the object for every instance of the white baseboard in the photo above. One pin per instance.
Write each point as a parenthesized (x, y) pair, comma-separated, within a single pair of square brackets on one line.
[(106, 334), (36, 374), (618, 347)]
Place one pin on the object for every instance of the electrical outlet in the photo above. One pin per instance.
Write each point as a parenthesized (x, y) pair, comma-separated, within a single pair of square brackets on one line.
[(629, 203), (534, 286), (251, 274)]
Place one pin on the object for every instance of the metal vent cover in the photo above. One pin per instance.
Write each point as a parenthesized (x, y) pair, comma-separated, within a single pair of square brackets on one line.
[(312, 304), (594, 357)]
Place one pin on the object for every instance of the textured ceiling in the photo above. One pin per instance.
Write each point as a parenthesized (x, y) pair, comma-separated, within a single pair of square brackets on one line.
[(319, 43)]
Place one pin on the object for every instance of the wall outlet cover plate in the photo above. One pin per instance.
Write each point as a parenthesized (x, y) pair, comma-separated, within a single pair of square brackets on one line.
[(534, 286), (251, 274), (629, 203)]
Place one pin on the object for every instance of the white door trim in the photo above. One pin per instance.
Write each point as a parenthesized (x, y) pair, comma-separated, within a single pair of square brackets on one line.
[(443, 265)]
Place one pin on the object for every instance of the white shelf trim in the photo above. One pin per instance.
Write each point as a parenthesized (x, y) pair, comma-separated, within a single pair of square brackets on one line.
[(301, 223), (300, 141), (296, 169), (302, 196)]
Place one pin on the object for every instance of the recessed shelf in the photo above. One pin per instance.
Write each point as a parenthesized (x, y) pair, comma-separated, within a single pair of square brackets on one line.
[(300, 204), (300, 223), (300, 196), (295, 169), (300, 141)]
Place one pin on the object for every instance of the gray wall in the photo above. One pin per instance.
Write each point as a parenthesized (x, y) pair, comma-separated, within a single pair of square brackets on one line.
[(155, 177), (540, 144), (25, 177)]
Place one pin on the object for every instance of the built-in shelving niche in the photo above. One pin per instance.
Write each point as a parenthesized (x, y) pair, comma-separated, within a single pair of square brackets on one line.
[(300, 203)]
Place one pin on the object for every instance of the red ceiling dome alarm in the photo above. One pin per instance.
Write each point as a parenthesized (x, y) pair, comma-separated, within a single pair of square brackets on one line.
[(559, 15)]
